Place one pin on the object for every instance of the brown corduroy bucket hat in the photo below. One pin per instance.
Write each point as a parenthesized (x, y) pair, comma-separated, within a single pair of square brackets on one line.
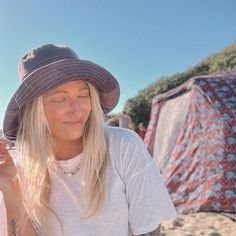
[(49, 66)]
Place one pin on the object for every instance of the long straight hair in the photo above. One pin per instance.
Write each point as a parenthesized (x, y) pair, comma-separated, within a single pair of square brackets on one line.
[(35, 148)]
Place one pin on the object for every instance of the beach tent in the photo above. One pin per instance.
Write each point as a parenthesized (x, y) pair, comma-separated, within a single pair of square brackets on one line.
[(192, 136)]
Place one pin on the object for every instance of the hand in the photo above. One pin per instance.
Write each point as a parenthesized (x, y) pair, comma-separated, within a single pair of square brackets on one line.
[(8, 172)]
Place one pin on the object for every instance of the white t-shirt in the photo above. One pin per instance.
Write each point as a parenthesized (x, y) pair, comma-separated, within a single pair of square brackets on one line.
[(136, 199)]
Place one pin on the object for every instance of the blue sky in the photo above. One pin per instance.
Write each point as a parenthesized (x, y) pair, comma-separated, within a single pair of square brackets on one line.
[(138, 41)]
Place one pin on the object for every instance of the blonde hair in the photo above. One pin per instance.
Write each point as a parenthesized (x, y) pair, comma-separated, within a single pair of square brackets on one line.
[(35, 146)]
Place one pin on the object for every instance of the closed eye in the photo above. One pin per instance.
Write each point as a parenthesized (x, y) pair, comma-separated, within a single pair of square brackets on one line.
[(59, 99), (85, 95)]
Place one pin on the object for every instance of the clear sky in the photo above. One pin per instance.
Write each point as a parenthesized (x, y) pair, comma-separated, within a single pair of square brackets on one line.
[(138, 41)]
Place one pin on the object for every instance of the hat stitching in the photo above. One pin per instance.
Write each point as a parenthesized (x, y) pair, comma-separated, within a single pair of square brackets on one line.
[(15, 98), (39, 84), (37, 66), (29, 87), (26, 99), (48, 85), (48, 72), (68, 66), (74, 62)]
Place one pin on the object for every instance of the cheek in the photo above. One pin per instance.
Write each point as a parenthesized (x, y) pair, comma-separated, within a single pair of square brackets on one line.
[(52, 114)]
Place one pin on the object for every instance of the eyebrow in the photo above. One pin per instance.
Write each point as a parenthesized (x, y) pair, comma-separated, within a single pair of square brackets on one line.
[(58, 91)]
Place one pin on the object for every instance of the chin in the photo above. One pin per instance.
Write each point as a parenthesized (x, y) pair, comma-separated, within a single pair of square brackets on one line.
[(74, 137), (71, 137)]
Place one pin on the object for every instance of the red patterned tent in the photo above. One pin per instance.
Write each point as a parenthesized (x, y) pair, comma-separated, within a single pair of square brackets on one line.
[(192, 135)]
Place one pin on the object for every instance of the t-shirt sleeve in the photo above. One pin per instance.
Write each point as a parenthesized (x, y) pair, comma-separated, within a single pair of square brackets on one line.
[(148, 199)]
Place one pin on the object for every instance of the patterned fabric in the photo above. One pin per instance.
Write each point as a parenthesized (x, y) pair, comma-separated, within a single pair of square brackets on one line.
[(201, 171)]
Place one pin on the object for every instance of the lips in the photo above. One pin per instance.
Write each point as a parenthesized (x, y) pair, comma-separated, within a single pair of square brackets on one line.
[(72, 122)]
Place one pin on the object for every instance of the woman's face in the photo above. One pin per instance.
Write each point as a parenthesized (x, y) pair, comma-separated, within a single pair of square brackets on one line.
[(67, 109)]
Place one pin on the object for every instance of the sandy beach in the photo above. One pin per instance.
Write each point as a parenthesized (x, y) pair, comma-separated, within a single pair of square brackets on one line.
[(199, 224)]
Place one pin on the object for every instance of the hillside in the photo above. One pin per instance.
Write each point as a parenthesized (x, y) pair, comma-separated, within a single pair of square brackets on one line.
[(139, 106)]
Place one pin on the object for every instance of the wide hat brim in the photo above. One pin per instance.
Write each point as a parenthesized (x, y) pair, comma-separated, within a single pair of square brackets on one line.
[(53, 75)]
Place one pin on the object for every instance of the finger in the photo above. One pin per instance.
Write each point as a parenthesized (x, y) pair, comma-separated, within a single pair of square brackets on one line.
[(3, 147), (2, 143), (5, 156), (4, 159)]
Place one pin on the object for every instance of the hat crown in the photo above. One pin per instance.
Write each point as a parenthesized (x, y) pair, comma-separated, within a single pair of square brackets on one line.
[(42, 56)]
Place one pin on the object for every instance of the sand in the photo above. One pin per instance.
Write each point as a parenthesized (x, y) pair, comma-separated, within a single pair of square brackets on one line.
[(211, 224)]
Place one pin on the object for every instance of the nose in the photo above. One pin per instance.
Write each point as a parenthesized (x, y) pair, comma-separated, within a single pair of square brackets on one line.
[(74, 106)]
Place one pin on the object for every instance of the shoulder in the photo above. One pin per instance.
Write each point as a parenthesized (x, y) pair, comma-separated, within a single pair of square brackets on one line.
[(116, 134), (124, 138), (127, 149)]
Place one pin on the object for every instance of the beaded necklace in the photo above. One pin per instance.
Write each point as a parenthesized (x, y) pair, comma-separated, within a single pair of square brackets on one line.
[(70, 173)]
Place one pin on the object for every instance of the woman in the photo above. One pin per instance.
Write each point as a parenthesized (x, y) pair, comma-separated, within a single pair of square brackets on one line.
[(141, 130), (74, 175)]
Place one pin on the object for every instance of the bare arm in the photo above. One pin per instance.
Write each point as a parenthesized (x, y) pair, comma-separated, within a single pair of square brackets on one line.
[(11, 191), (13, 205), (156, 232)]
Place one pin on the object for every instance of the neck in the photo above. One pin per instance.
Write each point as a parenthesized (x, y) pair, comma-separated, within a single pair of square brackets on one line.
[(66, 150)]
